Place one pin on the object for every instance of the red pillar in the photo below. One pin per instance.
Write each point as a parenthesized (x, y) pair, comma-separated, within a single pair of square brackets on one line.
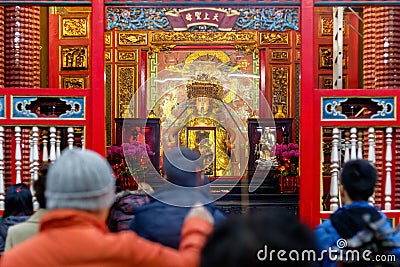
[(309, 206), (96, 132)]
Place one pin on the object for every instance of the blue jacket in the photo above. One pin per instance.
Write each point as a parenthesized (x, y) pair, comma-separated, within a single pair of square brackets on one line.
[(327, 236), (5, 224), (161, 222)]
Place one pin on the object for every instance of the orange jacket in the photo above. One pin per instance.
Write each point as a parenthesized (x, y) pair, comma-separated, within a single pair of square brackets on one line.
[(76, 238)]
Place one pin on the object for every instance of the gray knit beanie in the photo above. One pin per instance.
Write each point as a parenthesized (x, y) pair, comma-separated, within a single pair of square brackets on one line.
[(80, 179)]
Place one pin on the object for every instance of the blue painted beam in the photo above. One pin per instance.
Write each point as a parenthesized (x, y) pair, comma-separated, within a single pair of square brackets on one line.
[(276, 3)]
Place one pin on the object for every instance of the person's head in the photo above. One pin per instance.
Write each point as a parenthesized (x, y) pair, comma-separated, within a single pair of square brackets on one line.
[(249, 240), (80, 179), (18, 201), (40, 185), (358, 178), (182, 166)]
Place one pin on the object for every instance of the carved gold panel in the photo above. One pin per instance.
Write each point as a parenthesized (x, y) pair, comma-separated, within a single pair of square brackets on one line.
[(325, 81), (126, 86), (326, 26), (130, 38), (243, 41), (107, 39), (107, 56), (74, 27), (325, 55), (127, 55), (326, 169), (63, 10), (280, 87), (279, 54), (274, 38), (298, 38), (73, 82), (298, 55), (74, 57), (203, 37)]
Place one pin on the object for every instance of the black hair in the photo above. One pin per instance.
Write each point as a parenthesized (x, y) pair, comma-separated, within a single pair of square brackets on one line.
[(246, 240), (40, 186), (358, 178), (180, 165), (18, 201)]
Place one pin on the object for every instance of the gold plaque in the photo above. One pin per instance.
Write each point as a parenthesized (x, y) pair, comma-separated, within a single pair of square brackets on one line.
[(132, 38), (126, 84), (126, 55), (107, 39), (274, 38), (74, 27), (298, 38), (107, 56), (73, 82), (326, 26), (74, 58), (279, 55)]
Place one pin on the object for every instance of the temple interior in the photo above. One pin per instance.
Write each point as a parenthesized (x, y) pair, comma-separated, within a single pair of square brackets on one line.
[(275, 97)]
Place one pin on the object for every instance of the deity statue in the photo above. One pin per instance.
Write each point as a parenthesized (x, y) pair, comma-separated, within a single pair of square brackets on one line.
[(267, 141), (201, 129)]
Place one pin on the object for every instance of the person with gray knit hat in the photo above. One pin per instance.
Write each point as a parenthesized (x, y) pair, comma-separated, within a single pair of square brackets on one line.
[(80, 191), (68, 185)]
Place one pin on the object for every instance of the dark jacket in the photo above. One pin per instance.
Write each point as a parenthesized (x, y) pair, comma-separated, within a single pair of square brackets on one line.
[(123, 210), (162, 222), (5, 224), (348, 221)]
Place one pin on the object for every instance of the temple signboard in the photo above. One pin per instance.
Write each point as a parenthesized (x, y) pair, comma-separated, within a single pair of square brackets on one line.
[(220, 18)]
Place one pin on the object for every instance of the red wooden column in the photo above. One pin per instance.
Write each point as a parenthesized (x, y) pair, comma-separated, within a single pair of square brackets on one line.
[(21, 46), (381, 48), (309, 136), (97, 131)]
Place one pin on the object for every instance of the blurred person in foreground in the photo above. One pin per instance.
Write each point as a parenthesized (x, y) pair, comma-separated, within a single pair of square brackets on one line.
[(274, 238), (18, 207), (357, 226), (79, 191), (22, 231), (162, 218)]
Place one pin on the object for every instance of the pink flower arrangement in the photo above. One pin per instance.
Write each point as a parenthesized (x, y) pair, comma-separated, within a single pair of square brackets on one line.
[(287, 158), (129, 159)]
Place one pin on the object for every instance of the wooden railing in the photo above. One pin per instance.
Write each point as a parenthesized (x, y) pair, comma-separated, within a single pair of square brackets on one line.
[(36, 124), (377, 145), (43, 145)]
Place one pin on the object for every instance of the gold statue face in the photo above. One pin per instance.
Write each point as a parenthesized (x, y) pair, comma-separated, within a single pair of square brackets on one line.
[(202, 105)]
